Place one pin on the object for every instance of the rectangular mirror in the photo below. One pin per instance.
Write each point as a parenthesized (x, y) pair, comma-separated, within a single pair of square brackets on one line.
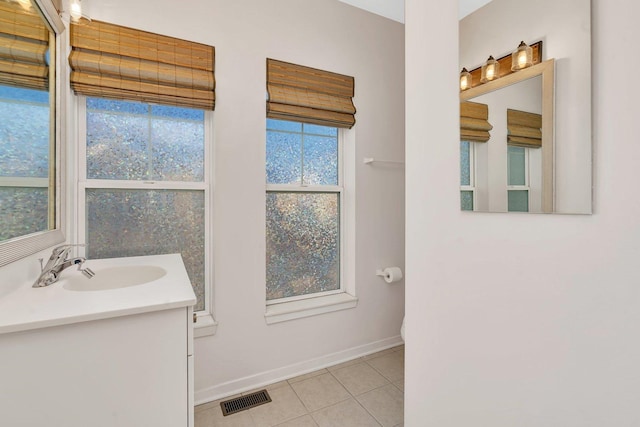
[(536, 156), (30, 216)]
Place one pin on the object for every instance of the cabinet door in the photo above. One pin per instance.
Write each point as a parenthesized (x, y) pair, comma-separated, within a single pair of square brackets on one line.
[(124, 371)]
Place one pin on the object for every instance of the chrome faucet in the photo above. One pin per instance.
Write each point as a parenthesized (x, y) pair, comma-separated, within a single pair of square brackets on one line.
[(58, 262)]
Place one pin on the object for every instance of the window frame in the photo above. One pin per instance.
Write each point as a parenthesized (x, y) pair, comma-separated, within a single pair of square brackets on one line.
[(299, 306), (205, 323), (319, 189)]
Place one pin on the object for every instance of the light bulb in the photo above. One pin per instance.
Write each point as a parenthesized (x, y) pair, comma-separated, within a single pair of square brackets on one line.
[(522, 59), (75, 10), (490, 72), (464, 83), (465, 79)]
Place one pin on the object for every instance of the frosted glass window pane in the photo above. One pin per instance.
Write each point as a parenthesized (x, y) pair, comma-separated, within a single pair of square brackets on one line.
[(303, 255), (117, 146), (320, 160), (516, 165), (320, 130), (123, 223), (178, 150), (22, 94), (518, 200), (292, 151), (113, 105), (24, 136), (135, 141), (466, 200), (284, 153), (22, 211), (465, 163), (177, 112), (284, 125)]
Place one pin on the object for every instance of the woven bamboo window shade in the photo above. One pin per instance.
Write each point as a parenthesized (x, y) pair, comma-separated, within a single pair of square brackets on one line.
[(122, 63), (308, 95), (24, 41), (524, 129), (474, 122)]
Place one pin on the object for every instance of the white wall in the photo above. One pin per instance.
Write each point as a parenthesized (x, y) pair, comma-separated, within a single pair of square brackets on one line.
[(520, 320), (324, 34), (563, 26)]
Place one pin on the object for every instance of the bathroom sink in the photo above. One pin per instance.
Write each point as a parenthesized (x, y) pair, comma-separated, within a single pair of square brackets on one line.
[(113, 278)]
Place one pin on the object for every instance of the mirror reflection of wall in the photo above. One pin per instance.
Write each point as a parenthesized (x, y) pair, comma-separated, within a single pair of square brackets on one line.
[(27, 196), (564, 27)]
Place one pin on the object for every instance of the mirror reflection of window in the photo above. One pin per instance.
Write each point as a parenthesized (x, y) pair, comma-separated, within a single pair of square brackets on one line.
[(518, 179), (24, 161), (467, 178), (25, 122)]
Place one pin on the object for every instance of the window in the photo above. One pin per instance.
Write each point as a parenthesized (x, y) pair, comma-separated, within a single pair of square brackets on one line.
[(518, 179), (144, 185), (303, 211), (467, 175)]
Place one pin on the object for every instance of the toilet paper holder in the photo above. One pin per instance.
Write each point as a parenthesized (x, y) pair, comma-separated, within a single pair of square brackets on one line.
[(390, 274)]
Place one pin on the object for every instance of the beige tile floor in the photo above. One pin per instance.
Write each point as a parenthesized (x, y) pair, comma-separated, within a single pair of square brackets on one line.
[(368, 391)]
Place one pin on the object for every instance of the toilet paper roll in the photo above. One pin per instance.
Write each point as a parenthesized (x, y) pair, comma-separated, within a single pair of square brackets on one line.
[(392, 274)]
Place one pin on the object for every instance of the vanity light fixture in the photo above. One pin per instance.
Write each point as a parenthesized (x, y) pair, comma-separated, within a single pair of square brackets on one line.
[(465, 79), (490, 70), (522, 57)]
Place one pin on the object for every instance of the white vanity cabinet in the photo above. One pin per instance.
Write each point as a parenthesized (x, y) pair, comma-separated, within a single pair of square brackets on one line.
[(124, 371), (127, 366)]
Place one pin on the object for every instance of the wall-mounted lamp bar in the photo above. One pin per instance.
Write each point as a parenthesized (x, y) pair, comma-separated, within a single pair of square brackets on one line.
[(496, 68)]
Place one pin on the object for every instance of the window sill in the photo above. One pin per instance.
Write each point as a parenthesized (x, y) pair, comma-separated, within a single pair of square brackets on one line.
[(205, 325), (285, 311)]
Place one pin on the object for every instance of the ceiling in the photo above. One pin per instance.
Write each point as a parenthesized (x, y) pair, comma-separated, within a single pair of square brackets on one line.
[(394, 9)]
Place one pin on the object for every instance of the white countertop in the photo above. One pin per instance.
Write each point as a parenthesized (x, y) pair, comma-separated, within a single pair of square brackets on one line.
[(32, 308)]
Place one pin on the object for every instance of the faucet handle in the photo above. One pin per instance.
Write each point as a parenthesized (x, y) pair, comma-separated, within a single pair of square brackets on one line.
[(63, 249)]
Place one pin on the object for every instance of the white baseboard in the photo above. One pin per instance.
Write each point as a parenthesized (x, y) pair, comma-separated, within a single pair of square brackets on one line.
[(269, 377)]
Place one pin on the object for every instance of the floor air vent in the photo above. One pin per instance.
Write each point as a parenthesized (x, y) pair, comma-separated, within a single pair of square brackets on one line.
[(239, 404)]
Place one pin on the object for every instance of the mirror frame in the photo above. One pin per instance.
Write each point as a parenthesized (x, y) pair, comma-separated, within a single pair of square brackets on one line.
[(545, 69), (23, 246)]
